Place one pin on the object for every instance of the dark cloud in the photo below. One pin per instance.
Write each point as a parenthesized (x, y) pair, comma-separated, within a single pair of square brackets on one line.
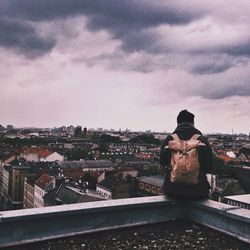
[(238, 50), (124, 20), (130, 21), (133, 13), (22, 37), (211, 68), (139, 41), (234, 82), (226, 91)]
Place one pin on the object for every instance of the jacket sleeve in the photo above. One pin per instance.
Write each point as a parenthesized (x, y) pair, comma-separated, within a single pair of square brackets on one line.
[(207, 157)]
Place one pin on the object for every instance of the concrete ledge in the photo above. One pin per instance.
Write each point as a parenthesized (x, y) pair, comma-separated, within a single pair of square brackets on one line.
[(29, 225), (230, 220)]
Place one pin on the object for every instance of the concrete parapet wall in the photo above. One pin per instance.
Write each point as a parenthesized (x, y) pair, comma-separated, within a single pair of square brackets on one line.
[(36, 224), (228, 219)]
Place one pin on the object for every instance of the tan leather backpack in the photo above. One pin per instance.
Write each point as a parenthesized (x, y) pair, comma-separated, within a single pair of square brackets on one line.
[(185, 165)]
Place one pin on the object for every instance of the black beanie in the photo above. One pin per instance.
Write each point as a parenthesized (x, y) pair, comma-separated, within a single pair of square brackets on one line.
[(185, 116)]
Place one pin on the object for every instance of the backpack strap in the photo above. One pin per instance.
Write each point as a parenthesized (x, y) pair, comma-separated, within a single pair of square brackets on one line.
[(175, 137), (195, 137)]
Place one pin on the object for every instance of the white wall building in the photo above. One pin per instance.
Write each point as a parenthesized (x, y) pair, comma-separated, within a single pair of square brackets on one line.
[(53, 157), (242, 201), (42, 186), (106, 193), (36, 154)]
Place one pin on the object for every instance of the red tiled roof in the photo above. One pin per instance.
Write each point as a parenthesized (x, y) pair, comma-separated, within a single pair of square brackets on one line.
[(44, 181), (75, 174), (225, 158), (42, 152)]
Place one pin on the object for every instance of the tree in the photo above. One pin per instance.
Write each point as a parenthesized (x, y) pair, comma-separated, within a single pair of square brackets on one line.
[(90, 179), (145, 138), (109, 138), (77, 154), (104, 147)]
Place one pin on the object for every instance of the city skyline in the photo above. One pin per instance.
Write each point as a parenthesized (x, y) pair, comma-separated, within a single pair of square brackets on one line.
[(132, 64)]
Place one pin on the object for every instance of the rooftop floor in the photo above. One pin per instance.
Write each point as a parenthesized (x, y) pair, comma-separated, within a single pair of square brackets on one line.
[(179, 234)]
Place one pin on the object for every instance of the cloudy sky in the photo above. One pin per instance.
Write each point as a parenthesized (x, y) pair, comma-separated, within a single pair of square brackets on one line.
[(125, 64)]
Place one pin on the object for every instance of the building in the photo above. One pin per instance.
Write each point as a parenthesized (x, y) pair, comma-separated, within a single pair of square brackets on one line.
[(54, 156), (128, 172), (149, 185), (67, 194), (146, 155), (85, 131), (115, 187), (212, 180), (89, 165), (8, 158), (37, 154), (227, 186), (242, 173), (242, 201), (42, 186), (78, 131), (10, 127), (28, 193), (16, 185), (5, 184), (104, 189)]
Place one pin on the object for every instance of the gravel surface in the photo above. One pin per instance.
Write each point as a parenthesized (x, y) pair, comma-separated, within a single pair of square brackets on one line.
[(171, 235)]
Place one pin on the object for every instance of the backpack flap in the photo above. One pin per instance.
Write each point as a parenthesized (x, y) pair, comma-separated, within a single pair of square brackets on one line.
[(184, 160)]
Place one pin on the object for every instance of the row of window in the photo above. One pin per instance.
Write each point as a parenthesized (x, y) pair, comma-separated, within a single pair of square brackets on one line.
[(150, 188), (39, 191), (104, 194), (38, 202), (238, 204)]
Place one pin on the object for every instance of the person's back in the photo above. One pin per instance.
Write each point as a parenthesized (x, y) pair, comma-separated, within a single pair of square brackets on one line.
[(185, 131)]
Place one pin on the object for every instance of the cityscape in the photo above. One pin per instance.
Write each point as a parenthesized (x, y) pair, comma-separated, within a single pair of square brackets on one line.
[(67, 165), (90, 90)]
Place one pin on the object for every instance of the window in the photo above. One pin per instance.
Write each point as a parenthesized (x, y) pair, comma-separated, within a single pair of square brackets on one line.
[(148, 187), (154, 189), (159, 191)]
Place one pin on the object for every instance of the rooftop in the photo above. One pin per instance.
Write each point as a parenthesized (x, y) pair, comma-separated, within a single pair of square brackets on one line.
[(44, 181), (171, 235), (42, 152), (156, 180), (242, 198), (87, 164)]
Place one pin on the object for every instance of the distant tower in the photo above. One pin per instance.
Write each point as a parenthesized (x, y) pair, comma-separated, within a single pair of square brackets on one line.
[(85, 131), (10, 127), (78, 131)]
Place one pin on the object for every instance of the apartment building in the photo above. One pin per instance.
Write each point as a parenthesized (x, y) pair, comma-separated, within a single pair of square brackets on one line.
[(42, 186), (149, 185)]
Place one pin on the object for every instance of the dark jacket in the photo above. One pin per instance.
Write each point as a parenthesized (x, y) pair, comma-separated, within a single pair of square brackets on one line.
[(200, 191)]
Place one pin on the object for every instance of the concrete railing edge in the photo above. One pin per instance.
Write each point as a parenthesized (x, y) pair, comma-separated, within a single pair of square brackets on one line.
[(22, 226)]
